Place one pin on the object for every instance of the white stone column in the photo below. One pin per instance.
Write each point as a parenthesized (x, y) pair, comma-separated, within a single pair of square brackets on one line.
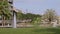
[(14, 24)]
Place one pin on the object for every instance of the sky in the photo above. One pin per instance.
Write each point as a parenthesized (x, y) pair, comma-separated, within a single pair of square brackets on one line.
[(37, 6)]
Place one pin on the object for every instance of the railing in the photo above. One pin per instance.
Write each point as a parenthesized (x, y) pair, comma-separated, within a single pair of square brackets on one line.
[(9, 23)]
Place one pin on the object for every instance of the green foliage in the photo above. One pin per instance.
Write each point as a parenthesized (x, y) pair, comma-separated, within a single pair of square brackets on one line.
[(4, 9), (37, 20)]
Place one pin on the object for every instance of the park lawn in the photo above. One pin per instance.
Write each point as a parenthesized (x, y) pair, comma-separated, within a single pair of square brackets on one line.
[(29, 30)]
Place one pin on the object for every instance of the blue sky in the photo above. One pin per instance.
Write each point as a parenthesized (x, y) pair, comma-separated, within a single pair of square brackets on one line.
[(37, 6)]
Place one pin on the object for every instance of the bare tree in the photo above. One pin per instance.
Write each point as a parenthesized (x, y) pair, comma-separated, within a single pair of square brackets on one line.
[(50, 15)]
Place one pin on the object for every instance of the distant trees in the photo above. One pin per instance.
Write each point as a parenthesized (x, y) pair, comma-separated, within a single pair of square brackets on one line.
[(23, 16), (34, 18)]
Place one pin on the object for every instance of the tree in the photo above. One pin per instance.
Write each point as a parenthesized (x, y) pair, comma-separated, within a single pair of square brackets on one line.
[(50, 15), (4, 10)]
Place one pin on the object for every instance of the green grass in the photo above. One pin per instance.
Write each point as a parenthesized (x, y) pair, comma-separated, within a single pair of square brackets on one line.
[(30, 31)]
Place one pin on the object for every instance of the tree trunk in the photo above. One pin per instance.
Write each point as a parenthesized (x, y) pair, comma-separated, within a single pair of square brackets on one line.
[(3, 20)]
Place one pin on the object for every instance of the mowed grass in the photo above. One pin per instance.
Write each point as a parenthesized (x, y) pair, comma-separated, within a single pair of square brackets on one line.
[(30, 31)]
